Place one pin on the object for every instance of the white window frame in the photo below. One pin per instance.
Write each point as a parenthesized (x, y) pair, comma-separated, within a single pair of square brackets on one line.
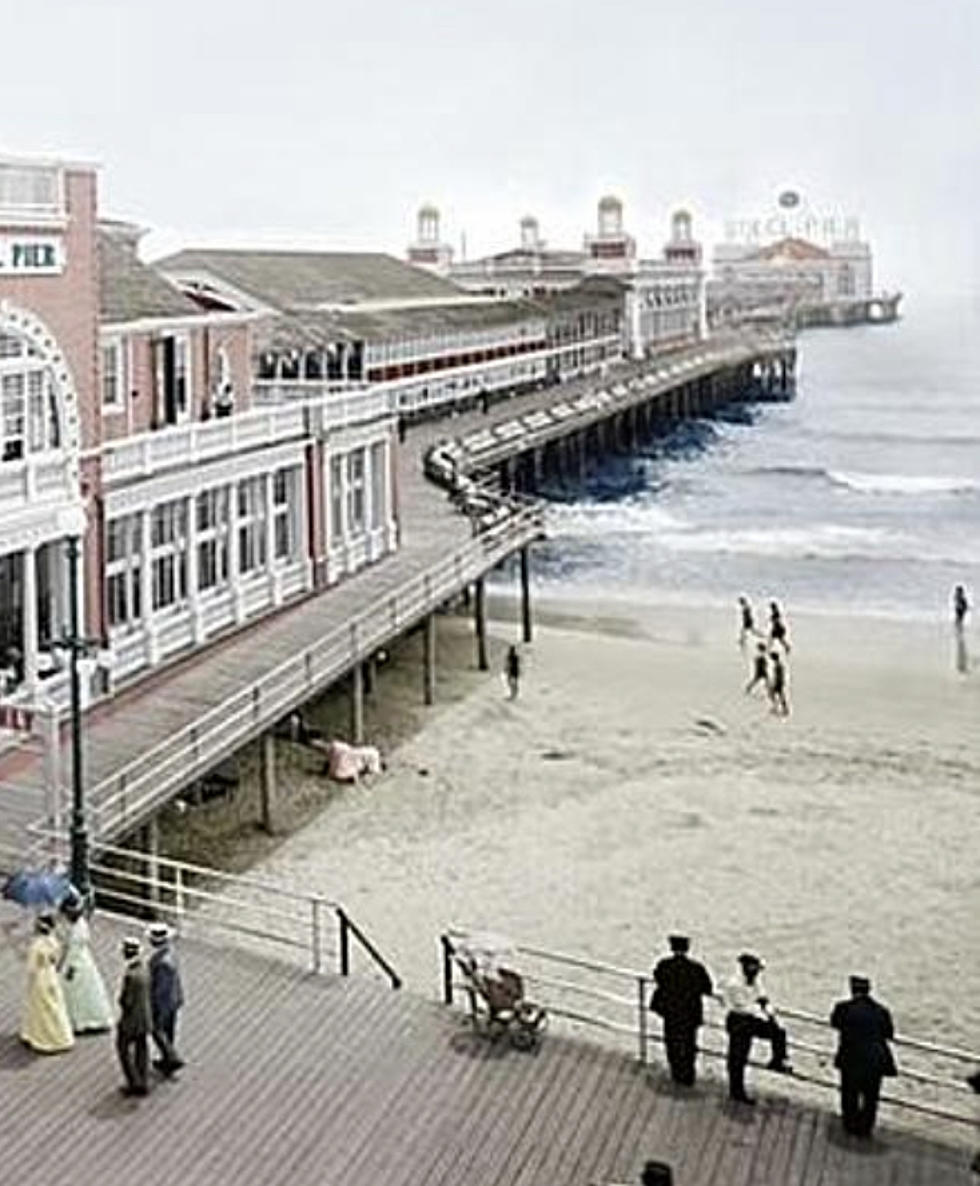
[(284, 504), (252, 512), (116, 349), (124, 573), (357, 491), (213, 531), (168, 555)]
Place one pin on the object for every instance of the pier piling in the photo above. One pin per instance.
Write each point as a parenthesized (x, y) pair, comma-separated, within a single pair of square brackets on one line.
[(480, 614), (267, 784), (526, 593), (357, 704), (429, 661)]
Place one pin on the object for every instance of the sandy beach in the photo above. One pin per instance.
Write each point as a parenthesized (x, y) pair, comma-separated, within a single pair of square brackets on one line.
[(633, 789)]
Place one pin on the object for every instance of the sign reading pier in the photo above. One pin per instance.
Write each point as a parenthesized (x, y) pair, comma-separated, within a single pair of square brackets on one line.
[(794, 219), (31, 254)]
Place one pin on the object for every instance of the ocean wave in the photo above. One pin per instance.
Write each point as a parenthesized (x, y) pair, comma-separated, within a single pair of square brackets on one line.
[(866, 483), (602, 519), (822, 541)]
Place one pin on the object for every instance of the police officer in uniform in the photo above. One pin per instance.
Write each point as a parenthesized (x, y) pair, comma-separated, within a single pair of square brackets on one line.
[(680, 983)]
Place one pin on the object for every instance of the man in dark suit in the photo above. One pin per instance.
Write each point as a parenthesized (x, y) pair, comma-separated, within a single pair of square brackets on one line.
[(680, 983), (166, 997), (133, 1028), (863, 1055)]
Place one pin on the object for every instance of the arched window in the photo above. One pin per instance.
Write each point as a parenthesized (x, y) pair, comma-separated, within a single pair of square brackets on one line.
[(29, 421)]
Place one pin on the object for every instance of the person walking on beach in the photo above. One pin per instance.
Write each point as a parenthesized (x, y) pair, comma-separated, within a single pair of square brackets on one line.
[(760, 670), (45, 1025), (512, 670), (961, 607), (747, 628), (863, 1055), (680, 983), (750, 1016), (133, 1027), (777, 686), (166, 998), (777, 627)]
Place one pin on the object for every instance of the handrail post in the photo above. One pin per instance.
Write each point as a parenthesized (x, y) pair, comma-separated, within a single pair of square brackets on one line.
[(641, 1004), (178, 892), (344, 942), (316, 947), (447, 969)]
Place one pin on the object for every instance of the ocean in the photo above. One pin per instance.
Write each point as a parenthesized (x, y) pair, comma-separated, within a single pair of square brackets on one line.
[(862, 494)]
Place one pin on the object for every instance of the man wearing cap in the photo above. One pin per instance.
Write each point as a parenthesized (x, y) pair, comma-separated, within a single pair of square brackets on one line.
[(863, 1055), (166, 997), (680, 983), (750, 1016), (133, 1027)]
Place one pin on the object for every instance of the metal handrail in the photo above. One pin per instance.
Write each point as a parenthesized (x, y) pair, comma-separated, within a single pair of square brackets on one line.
[(638, 1004)]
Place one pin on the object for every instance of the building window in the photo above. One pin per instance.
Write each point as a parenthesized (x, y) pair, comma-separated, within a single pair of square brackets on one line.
[(336, 498), (172, 378), (251, 524), (113, 378), (122, 568), (284, 513), (168, 553), (211, 512), (355, 491)]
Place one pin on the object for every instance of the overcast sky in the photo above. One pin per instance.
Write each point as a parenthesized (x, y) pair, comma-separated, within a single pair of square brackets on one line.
[(320, 123)]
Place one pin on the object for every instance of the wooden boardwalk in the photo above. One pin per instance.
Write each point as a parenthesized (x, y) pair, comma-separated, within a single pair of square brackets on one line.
[(319, 1081)]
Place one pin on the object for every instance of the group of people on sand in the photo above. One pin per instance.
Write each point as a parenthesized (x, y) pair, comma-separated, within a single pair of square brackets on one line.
[(863, 1025), (66, 995), (768, 664)]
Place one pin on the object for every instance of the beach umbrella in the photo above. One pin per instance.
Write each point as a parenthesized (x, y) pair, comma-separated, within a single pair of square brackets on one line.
[(38, 887)]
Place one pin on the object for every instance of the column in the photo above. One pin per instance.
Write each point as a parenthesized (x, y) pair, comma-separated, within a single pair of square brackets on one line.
[(237, 593), (480, 613), (29, 622), (357, 704), (429, 661), (267, 784), (526, 592), (272, 568), (52, 767), (369, 501), (150, 844), (193, 599), (146, 586), (59, 590)]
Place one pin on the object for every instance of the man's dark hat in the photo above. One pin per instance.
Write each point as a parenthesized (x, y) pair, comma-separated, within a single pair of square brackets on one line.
[(860, 984), (679, 942), (130, 947), (748, 960)]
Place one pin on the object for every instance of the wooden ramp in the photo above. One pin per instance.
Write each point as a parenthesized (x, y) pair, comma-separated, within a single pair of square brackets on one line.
[(310, 1081)]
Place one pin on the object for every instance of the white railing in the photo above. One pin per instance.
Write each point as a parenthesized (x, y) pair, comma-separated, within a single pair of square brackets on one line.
[(614, 1002), (121, 801), (270, 423)]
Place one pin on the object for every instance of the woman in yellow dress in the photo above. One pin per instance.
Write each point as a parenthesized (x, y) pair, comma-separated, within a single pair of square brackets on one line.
[(45, 1026)]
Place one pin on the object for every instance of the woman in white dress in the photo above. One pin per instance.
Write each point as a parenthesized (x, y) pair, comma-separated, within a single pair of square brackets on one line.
[(45, 1026), (85, 994)]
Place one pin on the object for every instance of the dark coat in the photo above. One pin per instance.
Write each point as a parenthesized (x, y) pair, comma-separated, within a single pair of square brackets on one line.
[(166, 990), (865, 1029), (680, 985), (134, 1002)]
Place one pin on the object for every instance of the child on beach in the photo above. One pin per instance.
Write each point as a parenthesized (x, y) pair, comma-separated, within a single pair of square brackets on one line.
[(747, 622), (777, 686), (777, 627), (512, 669), (760, 669)]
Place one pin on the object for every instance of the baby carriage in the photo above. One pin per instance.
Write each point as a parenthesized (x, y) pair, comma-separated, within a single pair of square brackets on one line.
[(496, 992)]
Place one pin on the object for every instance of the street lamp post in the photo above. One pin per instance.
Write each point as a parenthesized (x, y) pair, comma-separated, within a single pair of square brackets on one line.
[(76, 644)]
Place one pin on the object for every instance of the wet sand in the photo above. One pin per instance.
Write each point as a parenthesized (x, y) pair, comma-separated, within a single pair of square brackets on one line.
[(633, 789)]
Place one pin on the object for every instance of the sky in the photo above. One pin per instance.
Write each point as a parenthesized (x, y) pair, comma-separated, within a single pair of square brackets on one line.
[(322, 124)]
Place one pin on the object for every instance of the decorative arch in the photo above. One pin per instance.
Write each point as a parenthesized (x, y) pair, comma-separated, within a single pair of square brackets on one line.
[(24, 324)]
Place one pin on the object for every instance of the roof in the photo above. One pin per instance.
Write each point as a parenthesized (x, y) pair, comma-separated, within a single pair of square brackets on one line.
[(290, 280), (130, 290), (790, 249)]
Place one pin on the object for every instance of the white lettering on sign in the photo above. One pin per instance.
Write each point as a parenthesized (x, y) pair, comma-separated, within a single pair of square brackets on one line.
[(804, 224), (31, 255)]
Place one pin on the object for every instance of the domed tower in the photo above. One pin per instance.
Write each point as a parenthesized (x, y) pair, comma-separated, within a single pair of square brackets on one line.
[(530, 234), (428, 251), (611, 249), (683, 248)]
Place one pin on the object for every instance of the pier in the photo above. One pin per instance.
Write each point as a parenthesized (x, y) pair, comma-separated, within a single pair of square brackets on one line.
[(149, 743)]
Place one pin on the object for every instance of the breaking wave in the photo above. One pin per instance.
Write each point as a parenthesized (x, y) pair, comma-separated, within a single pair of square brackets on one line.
[(866, 483)]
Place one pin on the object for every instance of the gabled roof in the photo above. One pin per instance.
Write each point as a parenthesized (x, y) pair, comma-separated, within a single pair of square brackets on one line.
[(290, 280), (130, 290), (790, 249)]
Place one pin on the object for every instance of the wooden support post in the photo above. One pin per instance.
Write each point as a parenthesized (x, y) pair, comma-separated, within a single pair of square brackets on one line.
[(526, 592), (370, 675), (481, 625), (538, 463), (267, 784), (429, 661), (580, 454), (357, 704), (150, 844)]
